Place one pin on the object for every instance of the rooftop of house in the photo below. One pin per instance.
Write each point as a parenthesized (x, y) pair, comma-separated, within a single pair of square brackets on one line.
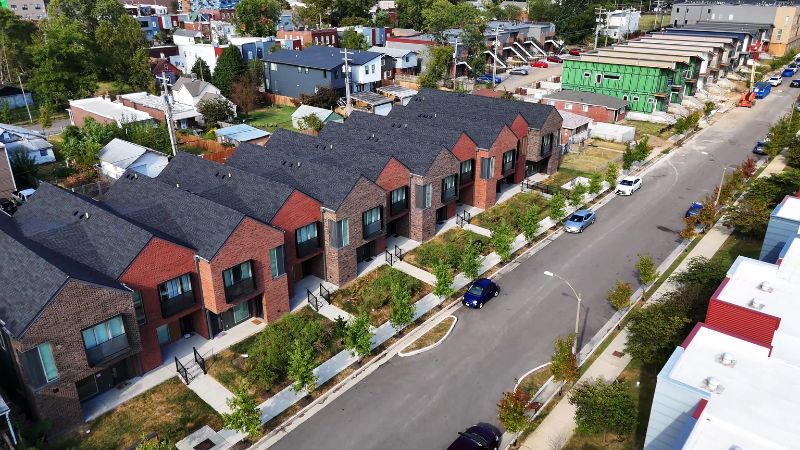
[(122, 153), (752, 402), (81, 230), (174, 211), (320, 57), (572, 121), (187, 33), (179, 110), (588, 98), (193, 86), (33, 277), (254, 196), (305, 110), (393, 52), (788, 209), (397, 91), (241, 132), (104, 107)]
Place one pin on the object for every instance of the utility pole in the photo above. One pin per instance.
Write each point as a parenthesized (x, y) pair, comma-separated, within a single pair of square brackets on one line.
[(598, 21), (348, 108), (455, 62), (497, 32), (30, 117), (166, 98)]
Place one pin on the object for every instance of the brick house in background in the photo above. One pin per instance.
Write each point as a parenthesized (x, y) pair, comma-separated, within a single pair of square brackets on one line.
[(103, 110), (598, 107), (322, 37), (240, 261)]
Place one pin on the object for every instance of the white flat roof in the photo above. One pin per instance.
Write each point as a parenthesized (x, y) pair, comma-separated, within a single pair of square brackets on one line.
[(758, 402), (104, 107), (789, 208), (179, 110)]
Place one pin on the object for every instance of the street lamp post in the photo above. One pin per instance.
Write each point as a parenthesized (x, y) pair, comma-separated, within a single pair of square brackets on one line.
[(577, 311)]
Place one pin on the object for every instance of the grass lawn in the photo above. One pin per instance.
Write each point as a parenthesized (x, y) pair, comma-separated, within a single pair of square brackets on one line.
[(230, 369), (271, 118), (592, 158), (534, 381), (564, 175), (372, 292), (737, 245), (512, 211), (170, 409), (432, 336), (648, 128), (649, 22), (447, 247), (643, 397)]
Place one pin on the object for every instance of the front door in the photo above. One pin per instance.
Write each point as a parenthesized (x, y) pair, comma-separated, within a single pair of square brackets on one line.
[(163, 334), (187, 325), (391, 228), (365, 252), (441, 214)]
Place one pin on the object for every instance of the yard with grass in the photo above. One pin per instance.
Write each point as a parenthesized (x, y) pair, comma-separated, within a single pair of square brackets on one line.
[(271, 118), (231, 368), (737, 245), (563, 176), (170, 409), (593, 159), (432, 336), (371, 292), (643, 397), (512, 211), (534, 381), (447, 248), (649, 128), (649, 22)]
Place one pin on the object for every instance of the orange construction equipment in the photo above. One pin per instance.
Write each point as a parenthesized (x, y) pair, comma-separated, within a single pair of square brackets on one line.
[(748, 99)]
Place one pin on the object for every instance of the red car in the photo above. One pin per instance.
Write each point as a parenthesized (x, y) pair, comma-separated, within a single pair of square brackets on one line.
[(575, 52), (555, 59), (541, 63)]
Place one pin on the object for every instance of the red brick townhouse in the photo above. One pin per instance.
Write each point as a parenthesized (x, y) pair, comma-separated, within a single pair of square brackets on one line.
[(240, 261), (599, 107), (353, 206), (262, 199), (63, 327)]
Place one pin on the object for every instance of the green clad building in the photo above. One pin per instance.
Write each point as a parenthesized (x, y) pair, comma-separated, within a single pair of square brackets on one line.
[(647, 84)]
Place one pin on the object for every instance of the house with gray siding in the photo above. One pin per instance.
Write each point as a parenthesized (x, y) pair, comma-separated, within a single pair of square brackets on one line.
[(784, 225), (291, 73)]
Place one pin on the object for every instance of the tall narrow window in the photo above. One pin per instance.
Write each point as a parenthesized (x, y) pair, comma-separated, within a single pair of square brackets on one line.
[(276, 261), (40, 365), (547, 144), (487, 168), (467, 171), (138, 305)]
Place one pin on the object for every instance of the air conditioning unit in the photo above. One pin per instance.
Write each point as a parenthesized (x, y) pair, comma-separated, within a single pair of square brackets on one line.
[(727, 359), (712, 384), (755, 304), (765, 286)]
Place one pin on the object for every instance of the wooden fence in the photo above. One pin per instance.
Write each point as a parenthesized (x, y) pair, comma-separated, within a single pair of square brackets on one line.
[(213, 150)]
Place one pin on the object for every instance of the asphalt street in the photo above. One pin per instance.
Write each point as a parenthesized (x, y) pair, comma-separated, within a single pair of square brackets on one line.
[(512, 82), (421, 402)]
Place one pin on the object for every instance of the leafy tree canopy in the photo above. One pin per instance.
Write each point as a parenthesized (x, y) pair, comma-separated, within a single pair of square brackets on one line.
[(230, 66), (352, 39), (258, 17)]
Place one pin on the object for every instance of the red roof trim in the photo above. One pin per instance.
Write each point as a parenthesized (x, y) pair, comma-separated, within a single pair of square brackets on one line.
[(715, 295), (698, 410), (410, 41), (698, 325)]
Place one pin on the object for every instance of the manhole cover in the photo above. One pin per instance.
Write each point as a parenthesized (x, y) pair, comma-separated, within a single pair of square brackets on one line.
[(208, 444)]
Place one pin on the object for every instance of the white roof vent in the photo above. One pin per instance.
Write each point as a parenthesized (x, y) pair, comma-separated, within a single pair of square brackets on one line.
[(765, 286), (755, 304), (727, 359), (712, 384)]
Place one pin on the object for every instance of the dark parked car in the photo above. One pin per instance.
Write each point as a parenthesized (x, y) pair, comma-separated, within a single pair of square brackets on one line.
[(575, 52), (488, 79), (795, 83), (481, 291), (694, 210), (518, 71), (7, 206), (482, 436), (760, 148)]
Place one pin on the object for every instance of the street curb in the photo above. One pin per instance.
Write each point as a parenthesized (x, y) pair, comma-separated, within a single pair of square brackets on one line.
[(519, 380), (435, 344)]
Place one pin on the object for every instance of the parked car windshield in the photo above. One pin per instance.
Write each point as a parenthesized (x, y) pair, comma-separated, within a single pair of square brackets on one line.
[(576, 218), (626, 183), (476, 290)]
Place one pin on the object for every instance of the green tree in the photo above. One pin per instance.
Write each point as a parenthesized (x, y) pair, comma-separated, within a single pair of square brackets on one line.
[(311, 122), (612, 173), (5, 113), (201, 69), (402, 306), (655, 331), (16, 38), (352, 39), (576, 194), (358, 338), (641, 149), (604, 407), (502, 239), (530, 222), (215, 110), (245, 416), (409, 13), (382, 19), (628, 158), (230, 66), (702, 276), (444, 280), (564, 364), (574, 19), (45, 118), (144, 134), (257, 17), (122, 53), (620, 296), (244, 92), (442, 15), (353, 22), (558, 206), (709, 108), (317, 12), (301, 366), (647, 269), (438, 64), (24, 169), (595, 183), (352, 8), (470, 262), (268, 360), (63, 63), (750, 215), (512, 411)]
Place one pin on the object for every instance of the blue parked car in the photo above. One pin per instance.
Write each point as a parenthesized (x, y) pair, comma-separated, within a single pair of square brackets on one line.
[(480, 292), (694, 210), (788, 72), (762, 89), (579, 221), (488, 79)]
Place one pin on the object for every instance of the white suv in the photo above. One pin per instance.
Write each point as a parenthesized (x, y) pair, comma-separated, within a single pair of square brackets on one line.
[(775, 81), (628, 185)]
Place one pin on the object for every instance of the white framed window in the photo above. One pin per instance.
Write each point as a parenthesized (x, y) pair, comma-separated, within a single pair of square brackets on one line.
[(636, 98), (625, 97), (568, 106), (585, 108), (651, 100), (587, 74)]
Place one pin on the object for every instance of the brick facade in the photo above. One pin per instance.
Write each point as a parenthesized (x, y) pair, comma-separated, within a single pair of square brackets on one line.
[(486, 189), (394, 176), (594, 112), (155, 113), (299, 211), (327, 36), (79, 116), (340, 264), (60, 324), (161, 261), (251, 241), (422, 222), (534, 144)]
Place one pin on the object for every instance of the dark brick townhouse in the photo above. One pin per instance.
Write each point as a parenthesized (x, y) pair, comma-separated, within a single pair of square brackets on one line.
[(262, 199)]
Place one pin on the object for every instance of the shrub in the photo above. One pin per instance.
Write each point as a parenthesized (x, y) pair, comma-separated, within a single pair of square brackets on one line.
[(655, 331), (444, 281), (595, 183), (576, 194), (373, 294), (358, 337), (502, 239), (402, 307), (245, 416), (749, 167), (709, 108), (512, 411), (530, 222), (604, 407), (620, 296), (641, 149), (301, 366), (628, 158), (647, 269), (612, 173), (564, 364), (470, 262), (558, 206)]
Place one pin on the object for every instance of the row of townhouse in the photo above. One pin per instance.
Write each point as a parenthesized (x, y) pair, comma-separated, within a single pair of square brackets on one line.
[(204, 246)]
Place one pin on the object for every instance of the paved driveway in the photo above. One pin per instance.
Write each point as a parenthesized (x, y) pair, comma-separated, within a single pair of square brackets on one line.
[(422, 401), (512, 82)]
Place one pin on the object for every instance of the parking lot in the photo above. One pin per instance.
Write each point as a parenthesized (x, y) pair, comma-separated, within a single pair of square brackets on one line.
[(512, 82)]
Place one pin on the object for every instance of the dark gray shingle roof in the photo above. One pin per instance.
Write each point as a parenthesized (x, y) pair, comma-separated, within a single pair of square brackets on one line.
[(168, 209), (254, 196), (589, 98), (319, 57)]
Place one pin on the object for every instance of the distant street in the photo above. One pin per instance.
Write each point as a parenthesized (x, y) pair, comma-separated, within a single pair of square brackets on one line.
[(512, 82), (421, 402)]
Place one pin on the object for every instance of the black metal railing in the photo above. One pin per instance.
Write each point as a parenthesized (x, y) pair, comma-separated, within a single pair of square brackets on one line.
[(307, 248), (198, 358), (389, 256), (398, 252), (109, 349), (240, 288), (175, 305), (541, 187), (315, 301), (372, 229), (324, 293), (448, 194), (463, 219), (181, 369), (398, 207)]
